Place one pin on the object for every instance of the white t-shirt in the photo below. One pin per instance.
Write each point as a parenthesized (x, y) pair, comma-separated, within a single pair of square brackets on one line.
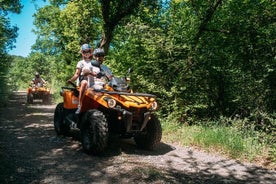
[(85, 65), (93, 81), (97, 83), (38, 81)]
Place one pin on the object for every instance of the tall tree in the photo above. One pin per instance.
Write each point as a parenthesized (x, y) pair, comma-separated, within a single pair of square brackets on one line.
[(113, 12), (204, 58), (8, 33), (61, 31)]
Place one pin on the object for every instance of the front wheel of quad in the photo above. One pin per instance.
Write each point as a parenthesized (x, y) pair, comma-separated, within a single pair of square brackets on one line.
[(150, 136), (94, 132), (47, 99), (30, 98), (60, 127)]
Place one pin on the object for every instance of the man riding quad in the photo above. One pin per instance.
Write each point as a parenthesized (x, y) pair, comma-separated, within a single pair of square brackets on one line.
[(38, 90)]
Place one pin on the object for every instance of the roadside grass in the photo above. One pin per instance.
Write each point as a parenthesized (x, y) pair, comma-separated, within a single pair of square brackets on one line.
[(238, 140)]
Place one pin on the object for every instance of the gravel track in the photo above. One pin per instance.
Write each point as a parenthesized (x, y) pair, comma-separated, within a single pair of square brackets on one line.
[(30, 152)]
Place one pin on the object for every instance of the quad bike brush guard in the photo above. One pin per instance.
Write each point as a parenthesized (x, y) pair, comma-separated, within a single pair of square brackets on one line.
[(113, 110), (38, 92)]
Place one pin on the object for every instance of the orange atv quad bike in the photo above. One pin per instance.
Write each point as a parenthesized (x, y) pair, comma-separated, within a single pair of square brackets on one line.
[(113, 110), (38, 92)]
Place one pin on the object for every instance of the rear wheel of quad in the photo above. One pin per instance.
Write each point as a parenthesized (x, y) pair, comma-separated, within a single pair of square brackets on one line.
[(30, 98), (60, 127), (150, 137), (94, 132)]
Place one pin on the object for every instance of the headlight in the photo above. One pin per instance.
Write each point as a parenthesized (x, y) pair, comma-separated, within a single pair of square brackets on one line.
[(111, 103), (154, 106)]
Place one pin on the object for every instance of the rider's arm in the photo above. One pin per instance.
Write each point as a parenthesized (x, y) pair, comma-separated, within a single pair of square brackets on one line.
[(76, 75), (43, 81), (32, 82), (88, 72)]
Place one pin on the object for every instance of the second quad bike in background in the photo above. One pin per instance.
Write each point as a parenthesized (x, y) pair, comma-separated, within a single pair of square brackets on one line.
[(115, 109), (41, 92)]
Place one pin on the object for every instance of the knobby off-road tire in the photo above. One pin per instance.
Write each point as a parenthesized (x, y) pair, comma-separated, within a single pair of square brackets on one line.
[(94, 132), (150, 137), (30, 98), (60, 127), (47, 99)]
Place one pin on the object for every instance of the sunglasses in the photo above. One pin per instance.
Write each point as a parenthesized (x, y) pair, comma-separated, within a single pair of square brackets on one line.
[(99, 55), (85, 52)]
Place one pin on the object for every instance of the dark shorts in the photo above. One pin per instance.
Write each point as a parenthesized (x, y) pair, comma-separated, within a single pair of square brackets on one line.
[(81, 78)]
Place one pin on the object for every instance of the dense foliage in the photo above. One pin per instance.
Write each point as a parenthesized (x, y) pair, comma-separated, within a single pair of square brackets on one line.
[(8, 33), (203, 59)]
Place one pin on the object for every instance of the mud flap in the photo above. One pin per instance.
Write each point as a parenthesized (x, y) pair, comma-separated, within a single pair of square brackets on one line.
[(128, 120), (147, 117)]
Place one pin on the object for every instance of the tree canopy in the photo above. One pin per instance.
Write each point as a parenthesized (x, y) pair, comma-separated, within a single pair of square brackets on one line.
[(8, 34)]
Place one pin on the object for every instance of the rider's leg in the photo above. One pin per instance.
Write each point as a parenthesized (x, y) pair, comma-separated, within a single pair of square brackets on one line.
[(83, 86)]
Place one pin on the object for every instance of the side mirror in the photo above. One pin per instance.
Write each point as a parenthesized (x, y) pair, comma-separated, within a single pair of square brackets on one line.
[(129, 70), (73, 84)]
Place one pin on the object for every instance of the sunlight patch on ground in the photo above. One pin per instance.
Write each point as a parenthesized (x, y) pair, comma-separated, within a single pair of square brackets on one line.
[(22, 137), (57, 151), (75, 146), (39, 114), (35, 125), (39, 106)]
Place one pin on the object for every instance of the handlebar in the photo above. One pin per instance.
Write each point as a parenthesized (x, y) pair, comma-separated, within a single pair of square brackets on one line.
[(70, 88), (73, 84)]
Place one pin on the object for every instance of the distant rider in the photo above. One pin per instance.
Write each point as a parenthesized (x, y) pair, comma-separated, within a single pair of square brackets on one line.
[(38, 81)]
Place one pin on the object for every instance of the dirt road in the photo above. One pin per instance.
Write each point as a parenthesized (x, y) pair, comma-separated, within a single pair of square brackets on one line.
[(30, 152)]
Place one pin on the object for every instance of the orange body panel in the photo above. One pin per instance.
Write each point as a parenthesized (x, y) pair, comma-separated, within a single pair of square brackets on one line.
[(92, 99), (38, 90), (29, 90), (127, 100), (88, 103), (70, 100)]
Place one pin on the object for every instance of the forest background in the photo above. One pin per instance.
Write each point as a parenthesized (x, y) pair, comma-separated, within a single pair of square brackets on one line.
[(211, 63)]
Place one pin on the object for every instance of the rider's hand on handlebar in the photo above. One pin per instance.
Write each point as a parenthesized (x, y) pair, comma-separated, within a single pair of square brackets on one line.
[(100, 74)]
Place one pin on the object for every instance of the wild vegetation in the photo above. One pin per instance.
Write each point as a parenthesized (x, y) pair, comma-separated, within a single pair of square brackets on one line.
[(210, 63)]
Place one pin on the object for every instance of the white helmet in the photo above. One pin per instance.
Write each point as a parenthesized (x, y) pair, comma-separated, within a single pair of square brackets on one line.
[(86, 51)]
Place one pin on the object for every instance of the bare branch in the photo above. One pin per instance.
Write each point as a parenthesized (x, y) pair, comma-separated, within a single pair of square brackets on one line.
[(209, 14)]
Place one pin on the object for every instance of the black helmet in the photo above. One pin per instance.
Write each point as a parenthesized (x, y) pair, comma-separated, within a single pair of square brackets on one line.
[(98, 52), (95, 63)]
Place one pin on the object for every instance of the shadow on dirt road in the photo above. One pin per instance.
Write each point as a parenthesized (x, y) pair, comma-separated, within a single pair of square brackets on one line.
[(30, 152)]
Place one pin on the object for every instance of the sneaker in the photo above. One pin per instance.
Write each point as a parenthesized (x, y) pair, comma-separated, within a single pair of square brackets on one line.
[(78, 110)]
